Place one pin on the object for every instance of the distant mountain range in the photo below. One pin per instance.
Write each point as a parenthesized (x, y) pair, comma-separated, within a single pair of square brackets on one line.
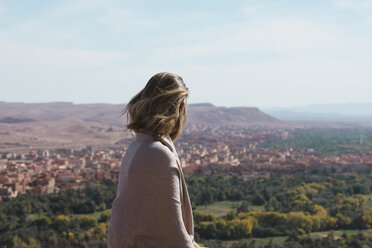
[(202, 113), (64, 124), (352, 112), (205, 113)]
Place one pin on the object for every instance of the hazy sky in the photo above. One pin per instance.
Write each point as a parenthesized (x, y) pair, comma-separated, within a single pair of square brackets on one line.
[(230, 53)]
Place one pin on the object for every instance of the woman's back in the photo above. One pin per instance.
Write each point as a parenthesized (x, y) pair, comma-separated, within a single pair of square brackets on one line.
[(150, 209)]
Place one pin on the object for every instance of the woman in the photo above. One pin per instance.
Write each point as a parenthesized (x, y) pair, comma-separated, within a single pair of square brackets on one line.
[(152, 208)]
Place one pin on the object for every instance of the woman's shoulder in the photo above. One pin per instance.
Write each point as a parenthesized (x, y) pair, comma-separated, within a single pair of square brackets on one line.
[(154, 152)]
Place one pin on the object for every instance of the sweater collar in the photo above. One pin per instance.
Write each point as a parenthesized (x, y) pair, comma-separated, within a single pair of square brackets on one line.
[(145, 135)]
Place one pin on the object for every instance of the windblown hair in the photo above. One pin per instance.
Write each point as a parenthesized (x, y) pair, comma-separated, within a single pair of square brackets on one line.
[(157, 107)]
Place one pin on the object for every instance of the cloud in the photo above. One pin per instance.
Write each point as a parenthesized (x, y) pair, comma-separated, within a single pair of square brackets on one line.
[(357, 6), (3, 13), (124, 21), (361, 9), (21, 55), (80, 6), (279, 83), (257, 53), (119, 16), (283, 37), (35, 73), (255, 7)]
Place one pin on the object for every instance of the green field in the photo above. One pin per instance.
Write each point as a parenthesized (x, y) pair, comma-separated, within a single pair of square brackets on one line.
[(281, 239), (368, 199), (95, 214), (339, 233), (219, 208), (223, 207)]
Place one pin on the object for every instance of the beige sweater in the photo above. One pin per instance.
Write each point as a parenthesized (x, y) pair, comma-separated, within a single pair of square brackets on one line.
[(152, 208)]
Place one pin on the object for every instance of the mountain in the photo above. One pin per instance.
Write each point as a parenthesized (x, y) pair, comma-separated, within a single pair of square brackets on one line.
[(239, 116), (56, 124), (63, 111), (109, 114), (351, 112)]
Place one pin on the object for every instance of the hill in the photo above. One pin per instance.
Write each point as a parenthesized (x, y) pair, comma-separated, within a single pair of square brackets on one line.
[(239, 116), (109, 114), (348, 112), (61, 124)]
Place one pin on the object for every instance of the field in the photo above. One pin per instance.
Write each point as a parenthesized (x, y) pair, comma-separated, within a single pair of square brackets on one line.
[(368, 199), (280, 239), (223, 207)]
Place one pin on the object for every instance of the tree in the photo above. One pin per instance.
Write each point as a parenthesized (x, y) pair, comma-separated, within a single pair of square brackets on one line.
[(87, 222), (105, 216), (43, 222), (61, 223), (300, 222), (243, 207)]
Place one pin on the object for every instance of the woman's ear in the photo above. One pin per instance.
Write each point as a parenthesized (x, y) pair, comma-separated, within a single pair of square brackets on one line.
[(182, 107)]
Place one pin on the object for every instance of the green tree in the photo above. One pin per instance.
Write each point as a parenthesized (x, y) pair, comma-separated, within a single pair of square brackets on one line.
[(87, 222), (61, 223)]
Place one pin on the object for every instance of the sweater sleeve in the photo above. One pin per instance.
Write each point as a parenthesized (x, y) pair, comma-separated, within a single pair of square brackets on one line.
[(164, 193)]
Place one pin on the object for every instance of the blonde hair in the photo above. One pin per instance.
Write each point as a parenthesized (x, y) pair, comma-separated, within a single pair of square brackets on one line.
[(157, 107)]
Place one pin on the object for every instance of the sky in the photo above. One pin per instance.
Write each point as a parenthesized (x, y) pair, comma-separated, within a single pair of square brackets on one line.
[(264, 53)]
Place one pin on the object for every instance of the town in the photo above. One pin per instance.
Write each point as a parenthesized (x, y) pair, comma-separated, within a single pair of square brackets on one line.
[(202, 148)]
